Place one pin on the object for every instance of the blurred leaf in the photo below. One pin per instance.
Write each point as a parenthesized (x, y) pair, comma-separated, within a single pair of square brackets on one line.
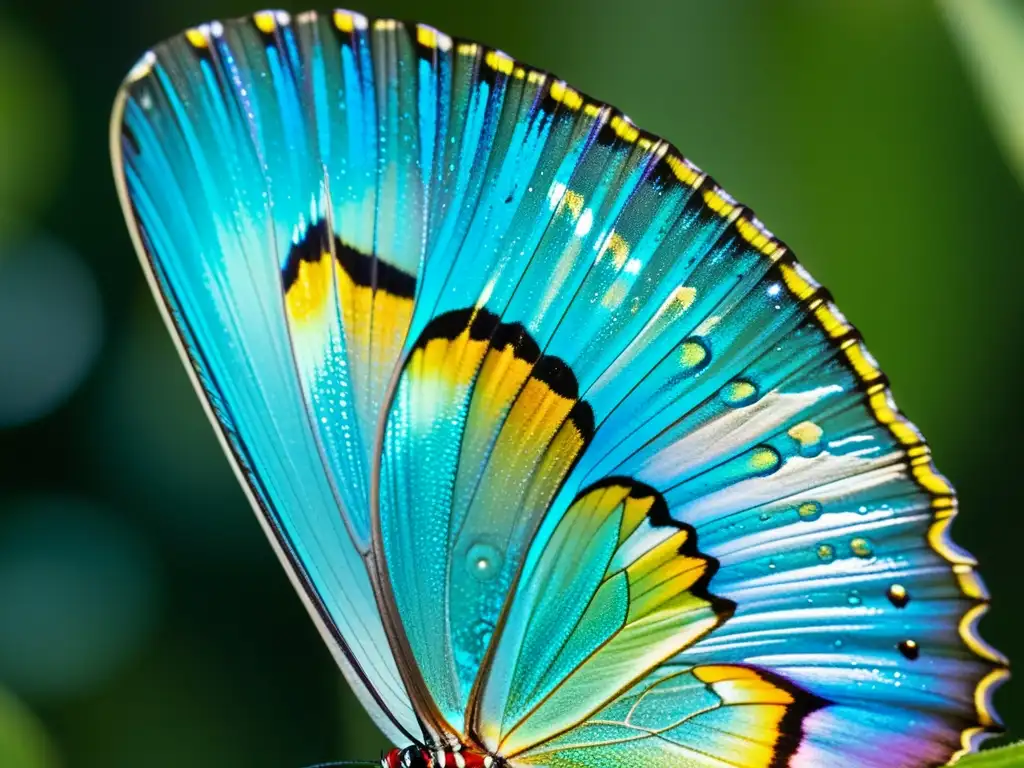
[(991, 36), (1007, 757), (34, 128), (23, 744)]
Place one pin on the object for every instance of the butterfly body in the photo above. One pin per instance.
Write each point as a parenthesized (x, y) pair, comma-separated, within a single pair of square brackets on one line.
[(569, 458), (419, 757)]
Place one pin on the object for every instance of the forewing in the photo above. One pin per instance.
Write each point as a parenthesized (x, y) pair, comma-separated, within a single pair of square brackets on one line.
[(252, 193)]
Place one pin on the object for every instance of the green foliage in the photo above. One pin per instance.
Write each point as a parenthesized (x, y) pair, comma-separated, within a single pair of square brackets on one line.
[(1007, 757), (23, 744), (991, 36), (34, 120)]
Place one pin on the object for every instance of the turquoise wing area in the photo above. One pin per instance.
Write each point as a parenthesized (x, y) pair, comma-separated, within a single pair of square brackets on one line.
[(767, 430), (571, 460), (643, 495), (254, 196)]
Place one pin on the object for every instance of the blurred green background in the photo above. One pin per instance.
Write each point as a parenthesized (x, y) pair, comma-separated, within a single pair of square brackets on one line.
[(144, 620)]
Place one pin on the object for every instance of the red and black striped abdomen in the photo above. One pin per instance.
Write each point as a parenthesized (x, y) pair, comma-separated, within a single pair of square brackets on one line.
[(418, 757)]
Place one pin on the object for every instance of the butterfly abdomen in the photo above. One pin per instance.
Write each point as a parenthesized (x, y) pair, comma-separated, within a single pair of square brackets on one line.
[(418, 757)]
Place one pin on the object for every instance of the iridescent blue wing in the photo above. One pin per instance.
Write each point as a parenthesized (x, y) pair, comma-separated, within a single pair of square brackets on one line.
[(644, 497), (626, 487), (263, 194)]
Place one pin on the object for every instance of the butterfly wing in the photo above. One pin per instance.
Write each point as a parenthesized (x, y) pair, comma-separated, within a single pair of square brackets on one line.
[(845, 624), (252, 194), (625, 485), (644, 497)]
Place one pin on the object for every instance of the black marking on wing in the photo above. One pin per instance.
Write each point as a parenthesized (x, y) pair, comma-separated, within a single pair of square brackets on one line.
[(554, 372), (659, 517), (362, 268), (791, 727)]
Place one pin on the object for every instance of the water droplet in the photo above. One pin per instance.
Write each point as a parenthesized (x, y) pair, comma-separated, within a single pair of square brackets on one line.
[(853, 598), (765, 517), (771, 565), (910, 649), (809, 511), (764, 460), (808, 436), (838, 643), (826, 553), (739, 392), (484, 561), (898, 595), (694, 354), (861, 547)]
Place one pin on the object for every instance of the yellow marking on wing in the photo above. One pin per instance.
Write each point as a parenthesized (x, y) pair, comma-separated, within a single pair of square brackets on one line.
[(737, 391), (538, 411), (574, 201), (692, 354), (625, 129), (685, 296), (807, 433), (452, 362), (983, 693), (741, 685), (800, 284), (500, 379), (931, 480), (467, 49), (970, 582), (862, 362), (619, 248), (265, 22), (833, 323), (661, 576), (426, 36), (763, 460), (375, 326), (763, 703), (500, 62), (565, 95), (758, 238), (196, 38), (635, 511), (718, 203), (391, 317), (518, 447), (307, 296), (344, 21), (938, 538), (683, 171), (969, 634)]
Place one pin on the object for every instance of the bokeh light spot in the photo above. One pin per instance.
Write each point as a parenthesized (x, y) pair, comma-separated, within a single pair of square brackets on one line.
[(77, 596), (50, 327)]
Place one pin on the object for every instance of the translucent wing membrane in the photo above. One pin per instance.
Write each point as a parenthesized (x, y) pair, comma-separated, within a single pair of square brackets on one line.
[(572, 461), (262, 251)]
